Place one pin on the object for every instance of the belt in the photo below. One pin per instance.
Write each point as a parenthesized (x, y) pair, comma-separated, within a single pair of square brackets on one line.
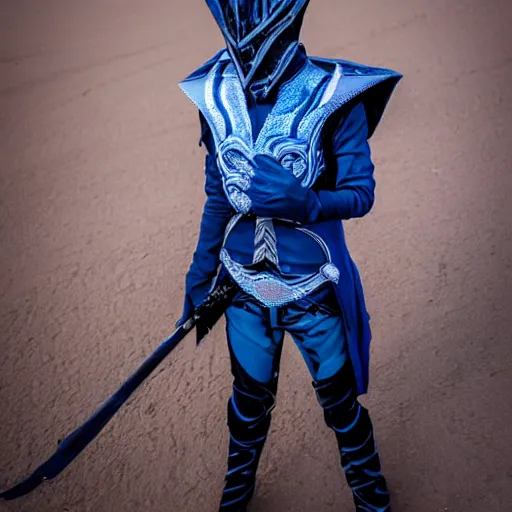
[(273, 289)]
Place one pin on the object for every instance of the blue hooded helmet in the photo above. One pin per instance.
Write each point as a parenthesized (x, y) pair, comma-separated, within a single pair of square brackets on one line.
[(261, 37)]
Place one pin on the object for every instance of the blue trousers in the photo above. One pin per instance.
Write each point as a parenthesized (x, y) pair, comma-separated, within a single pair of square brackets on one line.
[(255, 335), (255, 339)]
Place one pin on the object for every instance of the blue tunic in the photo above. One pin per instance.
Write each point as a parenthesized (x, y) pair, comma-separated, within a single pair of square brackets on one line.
[(343, 191)]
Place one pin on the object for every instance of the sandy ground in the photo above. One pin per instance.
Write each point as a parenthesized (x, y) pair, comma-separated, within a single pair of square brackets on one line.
[(101, 194)]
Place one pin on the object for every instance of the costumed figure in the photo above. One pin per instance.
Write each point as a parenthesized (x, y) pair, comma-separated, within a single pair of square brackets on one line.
[(287, 161)]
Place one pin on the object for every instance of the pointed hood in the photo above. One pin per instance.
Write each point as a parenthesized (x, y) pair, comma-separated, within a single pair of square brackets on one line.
[(262, 37)]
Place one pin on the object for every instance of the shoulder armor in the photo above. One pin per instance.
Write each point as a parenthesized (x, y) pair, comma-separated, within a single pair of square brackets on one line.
[(373, 86)]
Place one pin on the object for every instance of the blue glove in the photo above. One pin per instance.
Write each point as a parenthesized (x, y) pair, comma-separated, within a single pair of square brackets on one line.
[(275, 192)]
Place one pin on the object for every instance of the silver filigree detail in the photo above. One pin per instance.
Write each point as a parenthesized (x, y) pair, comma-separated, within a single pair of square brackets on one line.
[(234, 158), (330, 272), (212, 112), (279, 135), (233, 100), (265, 241), (302, 107), (268, 289), (292, 155), (240, 201)]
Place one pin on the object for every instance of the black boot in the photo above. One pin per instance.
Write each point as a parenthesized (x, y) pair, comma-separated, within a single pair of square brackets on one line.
[(249, 415), (354, 432)]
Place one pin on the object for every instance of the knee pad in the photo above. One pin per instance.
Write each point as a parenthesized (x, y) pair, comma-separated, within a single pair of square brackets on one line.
[(250, 405), (337, 393), (342, 411)]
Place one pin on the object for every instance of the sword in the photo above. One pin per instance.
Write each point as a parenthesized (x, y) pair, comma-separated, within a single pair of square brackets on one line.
[(203, 319)]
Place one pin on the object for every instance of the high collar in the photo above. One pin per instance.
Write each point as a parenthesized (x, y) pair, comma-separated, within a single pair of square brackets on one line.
[(265, 91)]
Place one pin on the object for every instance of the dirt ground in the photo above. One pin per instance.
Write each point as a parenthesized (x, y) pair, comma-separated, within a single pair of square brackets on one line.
[(101, 194)]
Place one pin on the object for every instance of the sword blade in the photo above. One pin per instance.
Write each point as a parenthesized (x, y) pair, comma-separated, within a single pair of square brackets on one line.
[(80, 438)]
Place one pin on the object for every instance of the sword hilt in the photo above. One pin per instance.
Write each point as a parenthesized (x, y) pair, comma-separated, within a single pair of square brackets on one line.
[(208, 313)]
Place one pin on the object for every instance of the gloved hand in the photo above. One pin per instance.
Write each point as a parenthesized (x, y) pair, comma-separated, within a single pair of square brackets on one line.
[(276, 192)]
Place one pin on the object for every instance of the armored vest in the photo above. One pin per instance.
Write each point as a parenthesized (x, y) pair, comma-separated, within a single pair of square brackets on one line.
[(291, 134)]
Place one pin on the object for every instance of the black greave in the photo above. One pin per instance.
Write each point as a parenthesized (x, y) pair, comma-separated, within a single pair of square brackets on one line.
[(354, 433), (249, 416)]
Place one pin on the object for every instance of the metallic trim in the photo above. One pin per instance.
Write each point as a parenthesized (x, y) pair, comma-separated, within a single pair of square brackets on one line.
[(272, 291)]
